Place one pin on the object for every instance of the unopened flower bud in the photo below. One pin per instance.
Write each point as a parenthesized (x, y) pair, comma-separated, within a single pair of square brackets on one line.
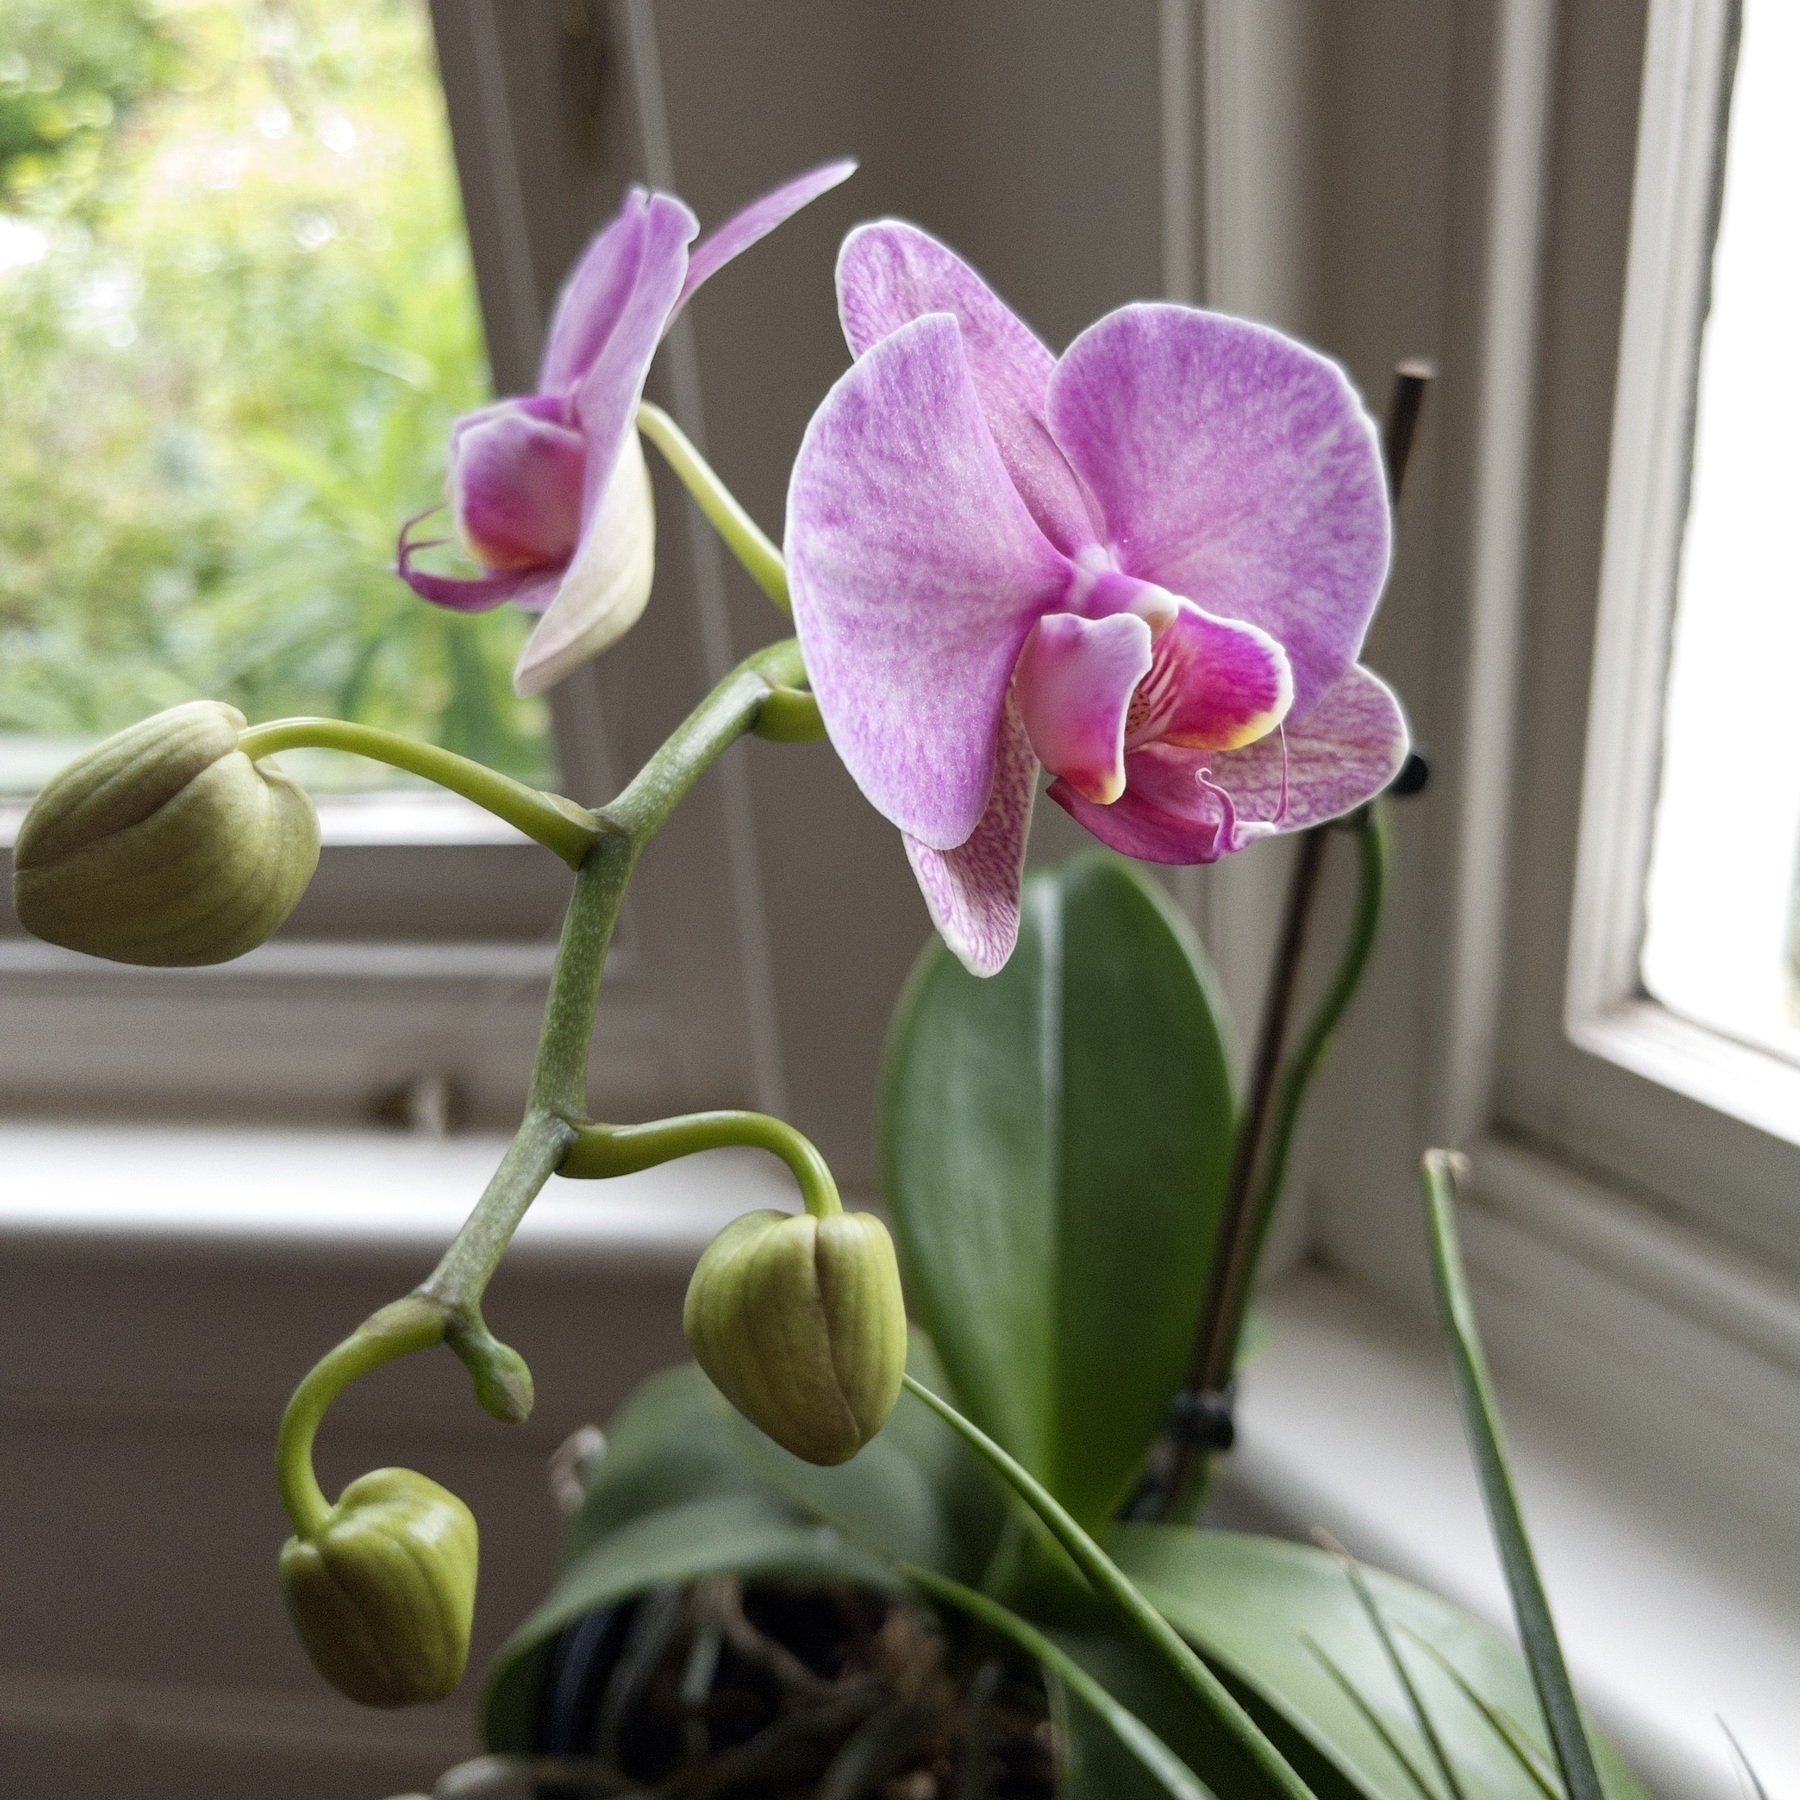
[(383, 1594), (800, 1323), (165, 845)]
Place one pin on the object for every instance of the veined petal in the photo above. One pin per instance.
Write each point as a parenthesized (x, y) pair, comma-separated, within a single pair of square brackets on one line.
[(604, 592), (1236, 468), (595, 296), (973, 891), (1074, 683), (605, 400), (1344, 751), (1214, 684), (515, 487), (530, 588), (1194, 806), (757, 220), (916, 573), (891, 273)]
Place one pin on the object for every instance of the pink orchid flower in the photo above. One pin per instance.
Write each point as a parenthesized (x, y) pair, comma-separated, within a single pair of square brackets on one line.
[(550, 492), (1147, 565)]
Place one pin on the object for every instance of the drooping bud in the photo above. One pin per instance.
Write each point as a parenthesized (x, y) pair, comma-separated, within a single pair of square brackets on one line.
[(383, 1594), (165, 845), (800, 1323)]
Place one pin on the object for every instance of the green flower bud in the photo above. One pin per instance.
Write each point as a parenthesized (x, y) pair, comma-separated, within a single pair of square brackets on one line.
[(165, 845), (383, 1594), (800, 1323)]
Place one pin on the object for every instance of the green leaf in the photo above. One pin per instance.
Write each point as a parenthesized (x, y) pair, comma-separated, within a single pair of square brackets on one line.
[(740, 1534), (1158, 1768), (1240, 1758), (669, 1444), (1249, 1604), (1055, 1146), (1487, 1443)]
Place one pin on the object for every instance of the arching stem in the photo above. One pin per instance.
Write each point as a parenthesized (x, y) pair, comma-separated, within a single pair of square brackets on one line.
[(558, 824)]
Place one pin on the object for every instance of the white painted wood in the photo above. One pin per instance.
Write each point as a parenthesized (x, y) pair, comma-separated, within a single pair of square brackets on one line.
[(1675, 1603)]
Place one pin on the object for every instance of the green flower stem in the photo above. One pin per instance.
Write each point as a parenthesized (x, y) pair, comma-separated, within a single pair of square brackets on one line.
[(603, 1150), (556, 1106), (1267, 1128), (1371, 829), (554, 822), (446, 1307), (790, 716), (1113, 1585), (414, 1323), (744, 538)]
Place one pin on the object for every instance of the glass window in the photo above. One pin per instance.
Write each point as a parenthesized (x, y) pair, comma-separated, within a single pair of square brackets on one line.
[(236, 319), (1720, 945)]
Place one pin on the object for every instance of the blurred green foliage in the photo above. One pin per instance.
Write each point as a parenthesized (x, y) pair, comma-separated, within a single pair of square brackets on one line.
[(236, 319)]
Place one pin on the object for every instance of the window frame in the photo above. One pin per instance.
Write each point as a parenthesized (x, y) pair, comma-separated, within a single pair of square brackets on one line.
[(415, 960), (1703, 1126)]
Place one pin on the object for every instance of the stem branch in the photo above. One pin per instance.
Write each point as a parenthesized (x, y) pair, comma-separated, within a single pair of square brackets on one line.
[(604, 1150), (549, 819), (744, 538)]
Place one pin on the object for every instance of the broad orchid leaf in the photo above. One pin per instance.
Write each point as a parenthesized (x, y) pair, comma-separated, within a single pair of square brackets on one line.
[(1487, 1443), (1055, 1145), (1262, 1610)]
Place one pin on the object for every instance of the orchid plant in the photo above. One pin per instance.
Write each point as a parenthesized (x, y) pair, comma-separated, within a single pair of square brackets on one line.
[(1147, 567)]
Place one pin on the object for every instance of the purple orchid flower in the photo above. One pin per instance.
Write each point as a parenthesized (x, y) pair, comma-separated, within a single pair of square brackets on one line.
[(550, 492), (1147, 565)]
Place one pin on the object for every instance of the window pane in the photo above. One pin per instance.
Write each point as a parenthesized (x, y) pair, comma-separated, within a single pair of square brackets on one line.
[(1721, 940), (236, 319)]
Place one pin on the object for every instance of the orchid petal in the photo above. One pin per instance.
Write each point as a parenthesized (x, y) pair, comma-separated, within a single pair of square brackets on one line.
[(1344, 751), (607, 585), (1214, 684), (916, 573), (595, 296), (1193, 806), (1236, 468), (891, 273), (605, 400), (470, 593), (757, 220), (1074, 683), (972, 892), (515, 487)]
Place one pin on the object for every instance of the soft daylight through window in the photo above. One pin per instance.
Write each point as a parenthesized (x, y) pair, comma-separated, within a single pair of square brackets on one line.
[(1722, 944), (236, 319)]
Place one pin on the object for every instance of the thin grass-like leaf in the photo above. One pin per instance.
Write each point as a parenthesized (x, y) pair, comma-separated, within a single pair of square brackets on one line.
[(1273, 1772), (1370, 1717), (1414, 1699), (1481, 1419), (1157, 1758), (1503, 1725)]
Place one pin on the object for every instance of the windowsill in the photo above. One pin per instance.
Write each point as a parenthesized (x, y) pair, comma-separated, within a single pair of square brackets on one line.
[(1678, 1600), (322, 1193), (1674, 1611)]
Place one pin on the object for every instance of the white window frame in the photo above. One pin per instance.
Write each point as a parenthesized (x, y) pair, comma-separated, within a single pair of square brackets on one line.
[(1631, 1220)]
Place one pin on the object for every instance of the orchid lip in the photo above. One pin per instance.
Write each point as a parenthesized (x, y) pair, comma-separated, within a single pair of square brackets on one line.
[(1100, 592)]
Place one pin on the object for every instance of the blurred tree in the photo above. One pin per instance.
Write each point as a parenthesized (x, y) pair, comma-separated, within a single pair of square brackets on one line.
[(234, 329)]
